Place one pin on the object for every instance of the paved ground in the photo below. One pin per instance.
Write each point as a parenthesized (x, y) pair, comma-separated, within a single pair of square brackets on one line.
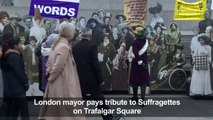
[(190, 109)]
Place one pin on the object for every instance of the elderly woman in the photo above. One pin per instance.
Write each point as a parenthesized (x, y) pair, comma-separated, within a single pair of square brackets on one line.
[(63, 80), (201, 82), (4, 16)]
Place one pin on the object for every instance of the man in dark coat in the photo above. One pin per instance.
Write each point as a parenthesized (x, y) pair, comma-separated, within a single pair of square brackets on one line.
[(15, 81), (89, 72)]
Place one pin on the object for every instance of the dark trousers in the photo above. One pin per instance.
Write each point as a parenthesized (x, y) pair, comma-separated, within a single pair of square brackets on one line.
[(97, 96), (143, 90), (15, 106)]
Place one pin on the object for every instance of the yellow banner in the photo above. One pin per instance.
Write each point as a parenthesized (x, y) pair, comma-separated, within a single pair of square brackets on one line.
[(135, 11), (189, 11)]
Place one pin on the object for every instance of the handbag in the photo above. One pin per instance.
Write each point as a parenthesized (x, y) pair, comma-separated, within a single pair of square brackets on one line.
[(201, 62)]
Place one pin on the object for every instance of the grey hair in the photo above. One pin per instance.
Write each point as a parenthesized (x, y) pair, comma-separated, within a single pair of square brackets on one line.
[(85, 32), (66, 30)]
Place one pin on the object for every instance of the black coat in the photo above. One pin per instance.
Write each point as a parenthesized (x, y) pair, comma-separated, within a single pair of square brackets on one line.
[(15, 79), (97, 36), (85, 55), (9, 28)]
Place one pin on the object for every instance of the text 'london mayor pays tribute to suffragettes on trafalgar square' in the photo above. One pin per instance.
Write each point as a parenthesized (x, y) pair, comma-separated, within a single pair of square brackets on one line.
[(120, 105)]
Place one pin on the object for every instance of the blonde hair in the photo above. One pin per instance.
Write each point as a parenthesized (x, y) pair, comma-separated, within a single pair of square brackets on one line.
[(66, 30)]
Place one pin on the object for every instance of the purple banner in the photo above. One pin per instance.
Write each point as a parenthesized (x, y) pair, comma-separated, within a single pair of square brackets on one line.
[(55, 8)]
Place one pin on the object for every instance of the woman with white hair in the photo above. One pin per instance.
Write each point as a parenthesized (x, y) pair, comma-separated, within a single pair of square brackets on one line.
[(63, 82)]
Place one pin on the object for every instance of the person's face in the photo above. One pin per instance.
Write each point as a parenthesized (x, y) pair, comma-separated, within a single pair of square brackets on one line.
[(95, 16), (1, 51), (73, 21), (22, 38), (82, 22), (207, 15), (93, 24), (55, 23), (148, 30), (14, 22), (196, 32), (156, 15), (28, 22), (121, 19), (4, 21), (151, 42), (106, 39), (125, 31), (37, 21), (107, 21), (158, 30), (202, 42), (32, 42), (178, 52), (114, 30), (48, 24), (18, 46), (173, 27), (122, 49), (101, 15), (104, 31)]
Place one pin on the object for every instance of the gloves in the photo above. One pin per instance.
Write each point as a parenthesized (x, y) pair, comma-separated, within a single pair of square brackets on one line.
[(140, 62), (143, 65)]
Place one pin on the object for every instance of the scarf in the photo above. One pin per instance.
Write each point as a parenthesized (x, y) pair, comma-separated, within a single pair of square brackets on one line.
[(45, 51), (33, 55)]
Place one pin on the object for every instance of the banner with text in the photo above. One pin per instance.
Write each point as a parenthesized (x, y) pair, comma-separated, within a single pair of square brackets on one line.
[(55, 8), (135, 11), (189, 11)]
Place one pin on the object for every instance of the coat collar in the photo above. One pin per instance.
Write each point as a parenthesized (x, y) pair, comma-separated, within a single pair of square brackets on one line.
[(12, 51), (85, 40), (64, 40)]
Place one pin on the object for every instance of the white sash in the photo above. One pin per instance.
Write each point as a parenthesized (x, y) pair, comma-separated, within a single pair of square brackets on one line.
[(144, 48)]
